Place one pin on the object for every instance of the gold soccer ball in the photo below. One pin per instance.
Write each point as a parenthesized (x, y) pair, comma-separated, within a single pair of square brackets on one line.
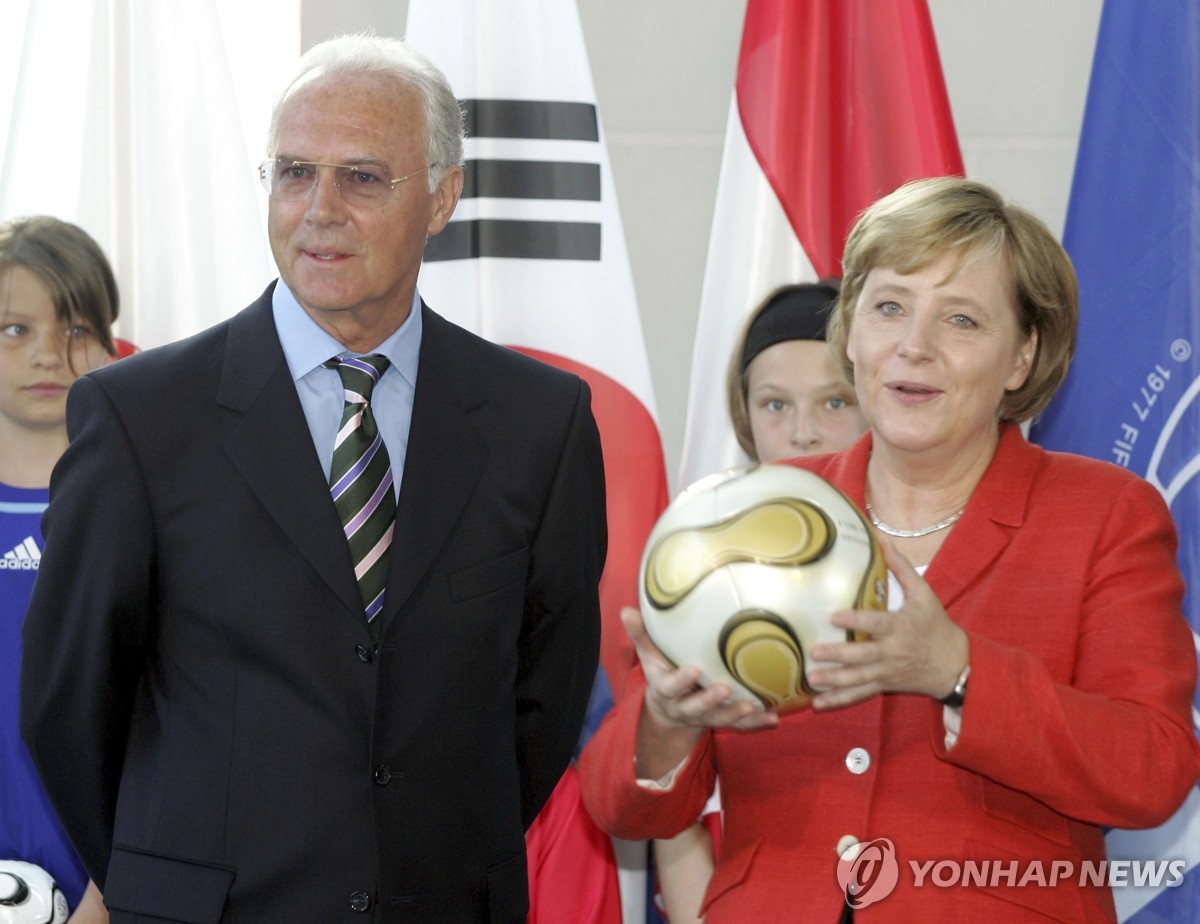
[(742, 572)]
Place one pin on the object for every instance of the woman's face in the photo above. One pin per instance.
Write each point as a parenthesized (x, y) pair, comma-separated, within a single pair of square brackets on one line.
[(933, 355), (799, 402), (40, 355)]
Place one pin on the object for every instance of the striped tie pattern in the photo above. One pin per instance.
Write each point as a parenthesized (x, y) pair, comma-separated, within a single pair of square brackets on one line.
[(360, 479)]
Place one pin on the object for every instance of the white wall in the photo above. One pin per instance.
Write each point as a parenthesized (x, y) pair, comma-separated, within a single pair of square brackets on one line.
[(1016, 73)]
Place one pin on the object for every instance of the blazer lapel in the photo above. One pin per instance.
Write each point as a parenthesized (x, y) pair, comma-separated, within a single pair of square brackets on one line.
[(996, 509), (445, 459), (272, 448)]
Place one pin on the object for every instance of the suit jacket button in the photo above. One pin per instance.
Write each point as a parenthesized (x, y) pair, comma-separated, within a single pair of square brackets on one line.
[(360, 901), (365, 654), (383, 775)]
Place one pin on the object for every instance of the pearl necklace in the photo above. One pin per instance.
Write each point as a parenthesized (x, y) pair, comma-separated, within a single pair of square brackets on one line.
[(911, 533)]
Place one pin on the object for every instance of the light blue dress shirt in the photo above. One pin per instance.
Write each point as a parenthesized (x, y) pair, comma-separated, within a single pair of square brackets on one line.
[(306, 346)]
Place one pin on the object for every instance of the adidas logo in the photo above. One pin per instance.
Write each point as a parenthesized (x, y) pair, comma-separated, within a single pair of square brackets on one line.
[(25, 557)]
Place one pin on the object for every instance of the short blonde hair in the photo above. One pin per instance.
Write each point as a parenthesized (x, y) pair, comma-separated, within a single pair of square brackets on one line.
[(925, 220)]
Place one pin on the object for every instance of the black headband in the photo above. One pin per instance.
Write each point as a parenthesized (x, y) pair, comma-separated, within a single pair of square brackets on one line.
[(795, 313)]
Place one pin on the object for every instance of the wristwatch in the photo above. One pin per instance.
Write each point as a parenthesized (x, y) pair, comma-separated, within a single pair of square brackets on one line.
[(955, 698)]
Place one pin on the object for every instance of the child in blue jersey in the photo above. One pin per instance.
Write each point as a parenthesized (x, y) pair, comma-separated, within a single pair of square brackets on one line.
[(58, 300)]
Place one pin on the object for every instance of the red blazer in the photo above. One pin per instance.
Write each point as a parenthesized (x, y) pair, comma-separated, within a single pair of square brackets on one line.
[(1062, 571)]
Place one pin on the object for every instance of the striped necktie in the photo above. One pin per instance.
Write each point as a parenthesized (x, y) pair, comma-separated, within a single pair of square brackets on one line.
[(360, 479)]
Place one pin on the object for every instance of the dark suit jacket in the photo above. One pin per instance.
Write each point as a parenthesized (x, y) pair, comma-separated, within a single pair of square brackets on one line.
[(200, 690), (1078, 716)]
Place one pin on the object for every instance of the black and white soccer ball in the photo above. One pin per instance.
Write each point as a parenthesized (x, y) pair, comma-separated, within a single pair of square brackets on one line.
[(29, 895), (743, 570)]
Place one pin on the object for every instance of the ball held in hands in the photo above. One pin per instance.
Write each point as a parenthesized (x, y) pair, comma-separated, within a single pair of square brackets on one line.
[(742, 572)]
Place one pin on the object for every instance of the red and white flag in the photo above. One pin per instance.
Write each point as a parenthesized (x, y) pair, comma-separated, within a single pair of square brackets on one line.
[(837, 102), (535, 255)]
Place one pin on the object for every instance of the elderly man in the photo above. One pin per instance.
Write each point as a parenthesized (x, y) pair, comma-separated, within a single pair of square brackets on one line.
[(317, 615)]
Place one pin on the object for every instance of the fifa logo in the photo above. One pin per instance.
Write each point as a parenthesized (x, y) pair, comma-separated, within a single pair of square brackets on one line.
[(1173, 462), (1173, 468)]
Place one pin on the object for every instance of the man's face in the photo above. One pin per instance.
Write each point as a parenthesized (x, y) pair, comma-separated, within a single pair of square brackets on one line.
[(354, 267)]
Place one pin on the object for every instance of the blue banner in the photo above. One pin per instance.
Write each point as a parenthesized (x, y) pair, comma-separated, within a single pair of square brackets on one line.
[(1133, 393)]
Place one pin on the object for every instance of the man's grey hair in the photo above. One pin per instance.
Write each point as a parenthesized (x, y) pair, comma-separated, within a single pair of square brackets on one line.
[(366, 53)]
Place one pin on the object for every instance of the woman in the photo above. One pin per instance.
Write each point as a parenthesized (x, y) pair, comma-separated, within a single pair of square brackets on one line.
[(1034, 663), (787, 396), (58, 301)]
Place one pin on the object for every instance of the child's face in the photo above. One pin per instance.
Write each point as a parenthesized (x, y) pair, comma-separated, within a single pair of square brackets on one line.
[(40, 355), (800, 402)]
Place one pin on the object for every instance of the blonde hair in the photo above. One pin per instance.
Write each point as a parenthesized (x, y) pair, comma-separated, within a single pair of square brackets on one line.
[(923, 221)]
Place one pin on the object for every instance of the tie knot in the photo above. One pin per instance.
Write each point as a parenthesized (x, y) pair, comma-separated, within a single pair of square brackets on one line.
[(359, 375)]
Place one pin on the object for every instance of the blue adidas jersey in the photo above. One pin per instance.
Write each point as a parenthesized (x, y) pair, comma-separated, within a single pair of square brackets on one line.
[(29, 829)]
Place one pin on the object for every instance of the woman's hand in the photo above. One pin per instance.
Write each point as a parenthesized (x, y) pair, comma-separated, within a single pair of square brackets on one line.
[(674, 697), (916, 649), (677, 710)]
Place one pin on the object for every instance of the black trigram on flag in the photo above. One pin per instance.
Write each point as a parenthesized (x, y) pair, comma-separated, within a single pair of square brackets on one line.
[(551, 181)]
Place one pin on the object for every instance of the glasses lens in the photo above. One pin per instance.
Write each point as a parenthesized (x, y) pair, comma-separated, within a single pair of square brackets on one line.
[(364, 185), (284, 179)]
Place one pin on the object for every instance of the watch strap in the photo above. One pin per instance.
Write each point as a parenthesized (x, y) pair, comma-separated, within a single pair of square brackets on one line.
[(956, 697)]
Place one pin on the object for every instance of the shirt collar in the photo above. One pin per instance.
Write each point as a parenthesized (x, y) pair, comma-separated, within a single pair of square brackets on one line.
[(306, 345)]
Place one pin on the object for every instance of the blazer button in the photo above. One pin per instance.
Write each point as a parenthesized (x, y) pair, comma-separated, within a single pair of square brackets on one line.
[(848, 847), (858, 760), (383, 775), (365, 654), (360, 902)]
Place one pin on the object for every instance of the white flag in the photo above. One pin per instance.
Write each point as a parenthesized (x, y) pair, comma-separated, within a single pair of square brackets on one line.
[(127, 119), (535, 256), (535, 259)]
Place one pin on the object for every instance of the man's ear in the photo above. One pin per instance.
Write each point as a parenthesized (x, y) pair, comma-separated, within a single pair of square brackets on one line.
[(445, 198)]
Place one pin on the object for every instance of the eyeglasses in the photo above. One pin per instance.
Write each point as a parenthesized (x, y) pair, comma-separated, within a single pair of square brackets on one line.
[(360, 184)]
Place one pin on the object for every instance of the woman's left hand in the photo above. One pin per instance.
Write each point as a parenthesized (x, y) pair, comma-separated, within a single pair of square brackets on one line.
[(915, 649)]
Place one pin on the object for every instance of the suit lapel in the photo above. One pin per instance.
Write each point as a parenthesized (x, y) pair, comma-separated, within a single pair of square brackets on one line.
[(445, 458), (272, 448)]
